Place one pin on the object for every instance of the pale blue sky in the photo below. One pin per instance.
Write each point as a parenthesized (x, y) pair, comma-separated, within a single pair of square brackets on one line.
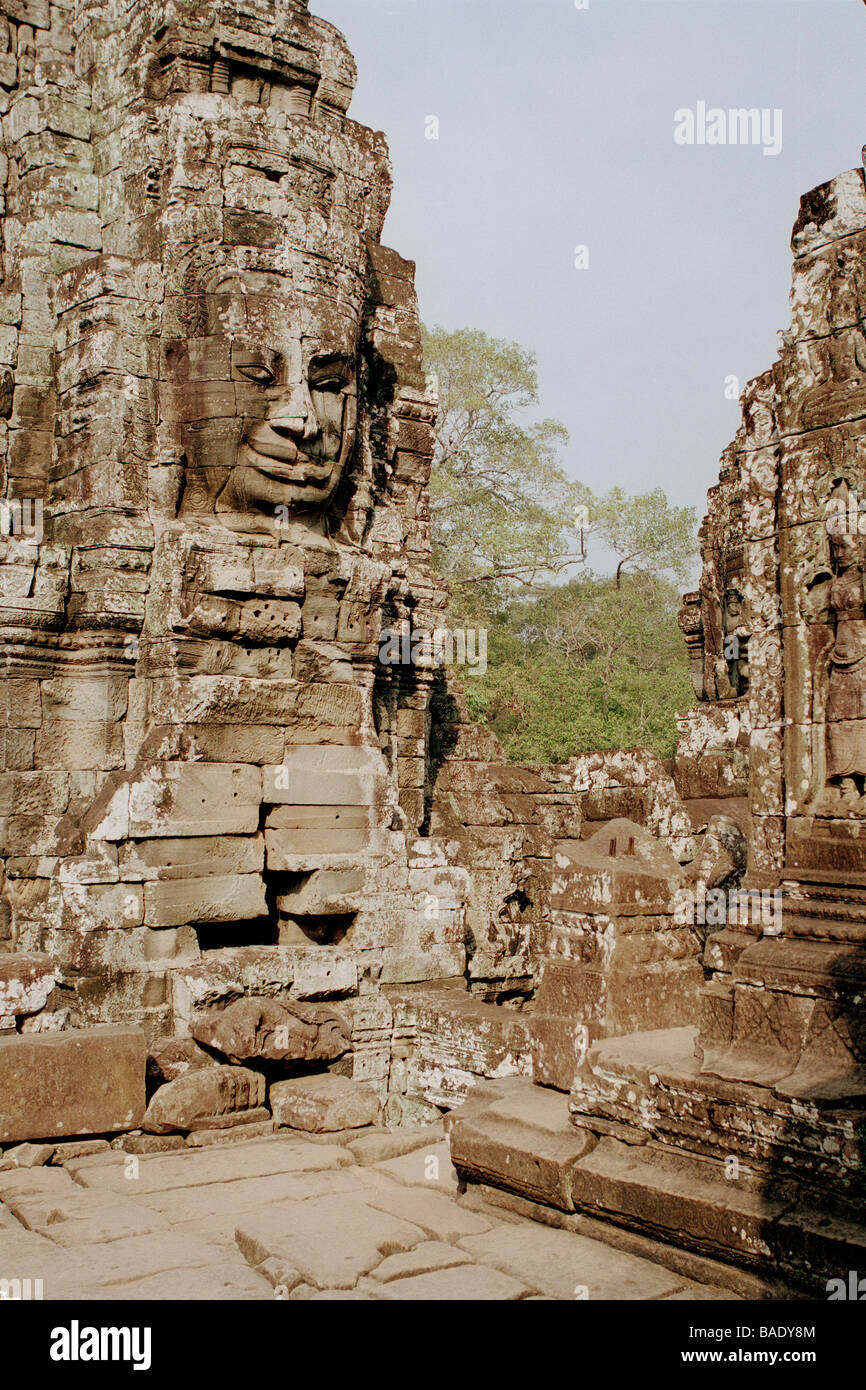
[(556, 128)]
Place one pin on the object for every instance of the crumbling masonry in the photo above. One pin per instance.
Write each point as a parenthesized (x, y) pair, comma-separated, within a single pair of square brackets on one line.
[(254, 876)]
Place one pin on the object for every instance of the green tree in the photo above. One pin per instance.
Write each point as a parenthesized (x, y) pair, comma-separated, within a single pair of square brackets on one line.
[(595, 662), (646, 532), (503, 512), (586, 665)]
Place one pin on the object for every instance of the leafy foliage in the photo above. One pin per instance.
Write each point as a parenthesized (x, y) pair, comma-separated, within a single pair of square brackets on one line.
[(646, 532), (587, 665), (502, 509), (595, 662)]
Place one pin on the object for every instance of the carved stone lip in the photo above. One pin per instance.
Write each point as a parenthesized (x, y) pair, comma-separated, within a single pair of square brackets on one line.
[(301, 471)]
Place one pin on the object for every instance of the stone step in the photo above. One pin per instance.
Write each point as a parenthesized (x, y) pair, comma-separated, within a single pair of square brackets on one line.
[(851, 880), (824, 911), (824, 969), (515, 1134), (692, 1202), (653, 1085), (513, 1137), (826, 905)]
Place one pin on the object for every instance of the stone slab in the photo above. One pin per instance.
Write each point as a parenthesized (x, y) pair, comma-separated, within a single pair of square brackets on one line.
[(87, 1081), (30, 1155), (331, 1241), (563, 1265), (429, 1166), (381, 1145), (79, 1217), (468, 1283), (232, 1199), (113, 1264), (440, 1217), (424, 1259), (20, 1183), (24, 1254), (208, 1138), (230, 1281), (163, 1172)]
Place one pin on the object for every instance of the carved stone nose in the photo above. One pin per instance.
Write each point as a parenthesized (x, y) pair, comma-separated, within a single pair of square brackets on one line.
[(291, 420), (288, 425)]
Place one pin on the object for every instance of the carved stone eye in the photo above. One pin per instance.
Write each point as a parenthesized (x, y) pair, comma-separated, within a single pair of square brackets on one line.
[(256, 371), (330, 376)]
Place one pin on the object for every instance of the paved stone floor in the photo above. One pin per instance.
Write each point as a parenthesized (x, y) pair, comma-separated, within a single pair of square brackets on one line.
[(287, 1217)]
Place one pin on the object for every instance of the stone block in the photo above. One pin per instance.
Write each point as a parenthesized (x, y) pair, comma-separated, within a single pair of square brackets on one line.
[(217, 898), (30, 1155), (195, 799), (191, 857), (203, 1094), (77, 1082), (323, 892), (25, 983), (34, 793), (51, 1021), (461, 1039), (317, 776), (324, 1104), (79, 744), (288, 848), (622, 868), (232, 743)]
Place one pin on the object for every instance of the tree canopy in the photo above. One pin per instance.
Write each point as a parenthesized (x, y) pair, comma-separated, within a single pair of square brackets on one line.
[(586, 665), (646, 532), (574, 663), (502, 509)]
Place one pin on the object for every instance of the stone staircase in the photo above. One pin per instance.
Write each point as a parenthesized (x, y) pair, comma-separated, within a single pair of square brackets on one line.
[(513, 1140)]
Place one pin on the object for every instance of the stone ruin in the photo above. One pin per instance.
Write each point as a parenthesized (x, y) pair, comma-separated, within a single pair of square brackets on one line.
[(743, 1135), (255, 876)]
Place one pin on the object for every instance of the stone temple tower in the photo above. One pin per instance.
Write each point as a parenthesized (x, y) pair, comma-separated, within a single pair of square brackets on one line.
[(217, 438), (225, 783)]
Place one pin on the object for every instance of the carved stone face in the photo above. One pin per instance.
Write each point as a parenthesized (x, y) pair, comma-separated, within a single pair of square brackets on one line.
[(272, 411), (846, 549), (733, 608)]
